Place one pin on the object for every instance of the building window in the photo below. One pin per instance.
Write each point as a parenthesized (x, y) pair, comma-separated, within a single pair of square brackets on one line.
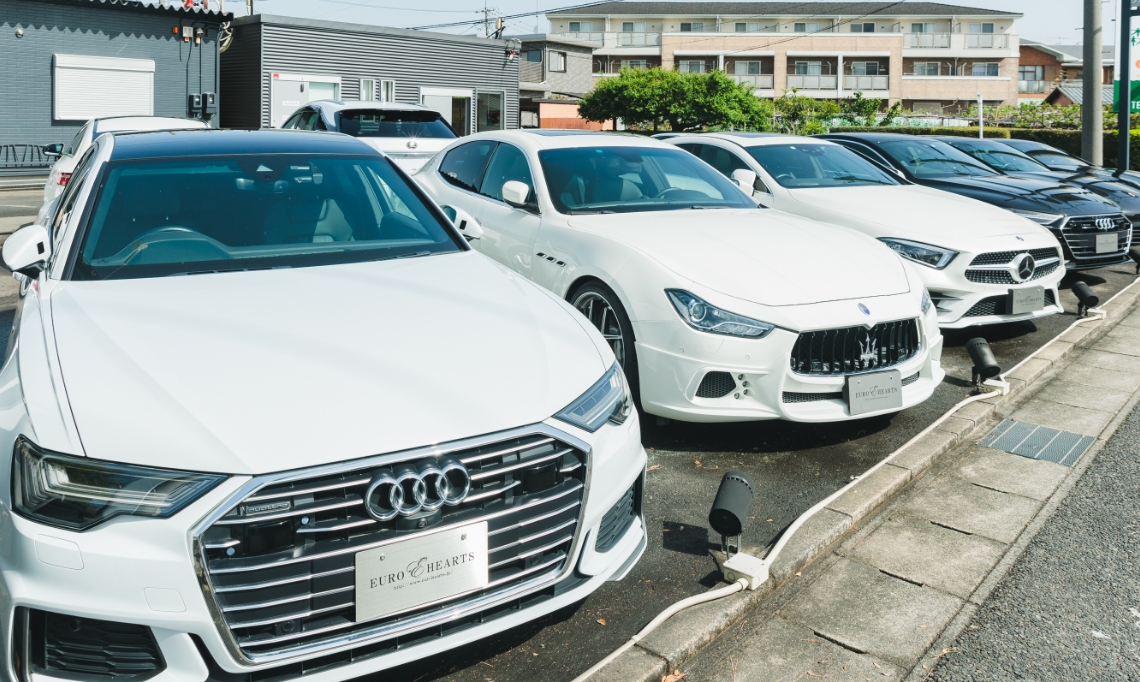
[(367, 90), (805, 27), (692, 66), (863, 27), (633, 27), (980, 28), (635, 64), (809, 68), (387, 91), (533, 56), (743, 68), (983, 69), (581, 26), (927, 69), (557, 62), (1031, 79), (489, 111), (927, 27), (692, 27), (747, 27), (865, 68)]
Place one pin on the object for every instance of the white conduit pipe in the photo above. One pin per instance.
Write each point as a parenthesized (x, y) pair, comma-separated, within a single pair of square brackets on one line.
[(786, 536)]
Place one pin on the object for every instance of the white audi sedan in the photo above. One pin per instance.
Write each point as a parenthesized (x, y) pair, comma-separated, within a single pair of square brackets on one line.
[(266, 415), (980, 263), (718, 310)]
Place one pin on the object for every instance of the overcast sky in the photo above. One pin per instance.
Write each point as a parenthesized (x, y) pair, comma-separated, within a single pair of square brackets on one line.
[(1047, 21)]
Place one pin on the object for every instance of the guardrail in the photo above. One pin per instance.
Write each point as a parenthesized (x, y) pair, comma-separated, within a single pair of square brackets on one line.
[(1031, 87), (616, 39), (986, 40), (813, 82), (931, 40), (866, 83), (759, 81)]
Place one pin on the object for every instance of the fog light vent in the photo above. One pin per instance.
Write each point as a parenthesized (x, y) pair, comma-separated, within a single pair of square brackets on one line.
[(716, 385), (89, 649), (618, 519)]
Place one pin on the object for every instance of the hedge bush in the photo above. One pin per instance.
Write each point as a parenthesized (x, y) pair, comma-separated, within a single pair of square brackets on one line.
[(957, 131)]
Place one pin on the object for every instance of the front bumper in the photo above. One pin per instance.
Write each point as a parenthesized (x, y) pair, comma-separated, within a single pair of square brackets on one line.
[(673, 360), (141, 571)]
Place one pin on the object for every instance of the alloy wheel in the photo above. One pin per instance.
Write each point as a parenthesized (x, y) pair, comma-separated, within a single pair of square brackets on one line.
[(601, 314)]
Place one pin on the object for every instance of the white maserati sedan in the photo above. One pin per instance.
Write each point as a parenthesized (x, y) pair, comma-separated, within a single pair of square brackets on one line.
[(718, 310), (265, 414), (981, 264)]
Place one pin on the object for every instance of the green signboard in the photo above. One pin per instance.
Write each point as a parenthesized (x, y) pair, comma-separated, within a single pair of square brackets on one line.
[(1134, 70)]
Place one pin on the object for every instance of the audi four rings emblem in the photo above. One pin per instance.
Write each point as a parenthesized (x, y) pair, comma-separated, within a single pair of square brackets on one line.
[(1104, 223), (1026, 267), (407, 489)]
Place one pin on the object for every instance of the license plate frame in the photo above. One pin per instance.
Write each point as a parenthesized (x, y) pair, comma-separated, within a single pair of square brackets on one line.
[(873, 391), (413, 573), (1026, 300), (1107, 243)]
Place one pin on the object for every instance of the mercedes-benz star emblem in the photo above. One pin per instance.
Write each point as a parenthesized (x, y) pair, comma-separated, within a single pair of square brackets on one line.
[(1026, 266), (407, 489), (865, 309)]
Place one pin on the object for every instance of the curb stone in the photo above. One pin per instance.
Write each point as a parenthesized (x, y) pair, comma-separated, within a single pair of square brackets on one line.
[(685, 634)]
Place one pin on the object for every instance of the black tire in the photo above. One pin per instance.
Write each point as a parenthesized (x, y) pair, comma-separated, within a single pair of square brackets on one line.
[(604, 310)]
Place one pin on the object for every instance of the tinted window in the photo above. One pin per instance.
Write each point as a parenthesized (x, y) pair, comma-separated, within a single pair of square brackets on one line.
[(818, 165), (292, 122), (631, 179), (151, 218), (1003, 158), (70, 194), (463, 166), (72, 146), (385, 123), (726, 162), (1055, 160), (508, 163), (934, 159)]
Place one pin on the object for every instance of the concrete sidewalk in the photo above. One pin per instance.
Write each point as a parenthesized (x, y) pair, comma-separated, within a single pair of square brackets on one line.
[(885, 600)]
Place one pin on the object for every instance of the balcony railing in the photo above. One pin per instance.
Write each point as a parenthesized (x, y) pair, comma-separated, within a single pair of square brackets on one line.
[(813, 82), (758, 81), (617, 39), (986, 40), (1031, 87), (931, 40), (866, 83)]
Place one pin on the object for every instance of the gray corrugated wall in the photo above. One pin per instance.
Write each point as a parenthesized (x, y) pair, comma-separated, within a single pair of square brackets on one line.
[(98, 30), (241, 79), (420, 60)]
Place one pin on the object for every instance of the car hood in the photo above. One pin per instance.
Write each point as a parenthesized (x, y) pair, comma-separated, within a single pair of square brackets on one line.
[(1126, 196), (1031, 194), (767, 257), (255, 372), (914, 212)]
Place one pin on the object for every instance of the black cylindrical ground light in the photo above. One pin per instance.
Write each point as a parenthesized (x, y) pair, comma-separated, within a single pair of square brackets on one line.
[(730, 508), (1134, 254), (985, 364), (1085, 298)]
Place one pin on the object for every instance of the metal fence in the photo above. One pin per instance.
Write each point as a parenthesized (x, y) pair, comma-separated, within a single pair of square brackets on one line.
[(23, 159)]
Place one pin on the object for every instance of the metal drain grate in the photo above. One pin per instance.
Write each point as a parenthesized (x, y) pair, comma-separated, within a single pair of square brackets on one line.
[(1038, 442)]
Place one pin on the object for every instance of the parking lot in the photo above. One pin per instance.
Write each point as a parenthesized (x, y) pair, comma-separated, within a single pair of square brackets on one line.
[(793, 466)]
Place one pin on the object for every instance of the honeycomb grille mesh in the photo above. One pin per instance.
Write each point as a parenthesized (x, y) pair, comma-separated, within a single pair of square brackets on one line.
[(716, 385)]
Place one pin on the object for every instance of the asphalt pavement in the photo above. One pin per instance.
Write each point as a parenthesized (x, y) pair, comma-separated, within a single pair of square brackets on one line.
[(1069, 609)]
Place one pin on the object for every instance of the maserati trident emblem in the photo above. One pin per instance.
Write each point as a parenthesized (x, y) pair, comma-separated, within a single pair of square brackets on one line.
[(1026, 266), (868, 351), (1104, 223), (865, 309), (1019, 238)]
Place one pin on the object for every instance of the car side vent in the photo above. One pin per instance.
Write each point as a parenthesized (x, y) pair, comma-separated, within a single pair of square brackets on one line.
[(618, 519), (716, 385)]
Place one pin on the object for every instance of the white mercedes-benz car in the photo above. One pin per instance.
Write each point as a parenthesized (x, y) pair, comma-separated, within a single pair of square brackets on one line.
[(981, 264), (718, 310), (297, 429)]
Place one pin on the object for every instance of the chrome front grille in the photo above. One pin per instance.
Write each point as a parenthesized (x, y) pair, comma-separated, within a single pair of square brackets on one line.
[(280, 564), (1003, 257), (855, 349), (1080, 236), (1004, 277)]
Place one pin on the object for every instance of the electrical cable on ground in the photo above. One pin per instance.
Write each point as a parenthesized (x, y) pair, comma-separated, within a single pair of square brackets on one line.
[(786, 536)]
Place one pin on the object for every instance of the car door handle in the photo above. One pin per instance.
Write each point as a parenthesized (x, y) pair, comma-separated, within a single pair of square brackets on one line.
[(551, 259)]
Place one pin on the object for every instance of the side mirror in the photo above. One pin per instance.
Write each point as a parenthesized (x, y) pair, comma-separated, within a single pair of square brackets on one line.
[(745, 179), (27, 251), (464, 222), (53, 150), (515, 193)]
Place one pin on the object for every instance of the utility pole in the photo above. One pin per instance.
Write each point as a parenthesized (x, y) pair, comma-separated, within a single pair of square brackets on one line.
[(487, 11), (981, 117), (1092, 75)]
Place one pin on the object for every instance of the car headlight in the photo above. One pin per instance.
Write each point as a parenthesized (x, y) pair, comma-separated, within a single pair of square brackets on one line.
[(706, 317), (78, 493), (930, 256), (1038, 217), (926, 302), (607, 400)]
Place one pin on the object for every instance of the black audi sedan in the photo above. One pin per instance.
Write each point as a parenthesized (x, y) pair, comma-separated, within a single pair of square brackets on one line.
[(1081, 220), (1009, 161), (1061, 160)]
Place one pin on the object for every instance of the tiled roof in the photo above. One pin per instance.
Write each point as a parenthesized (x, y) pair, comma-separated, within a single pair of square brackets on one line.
[(172, 6), (778, 9), (1076, 93)]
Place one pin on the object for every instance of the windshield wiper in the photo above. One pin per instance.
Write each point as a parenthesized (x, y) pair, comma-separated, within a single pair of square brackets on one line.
[(856, 178), (414, 254), (587, 211)]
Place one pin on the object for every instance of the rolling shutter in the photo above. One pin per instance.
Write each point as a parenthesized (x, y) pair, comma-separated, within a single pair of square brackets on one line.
[(94, 87)]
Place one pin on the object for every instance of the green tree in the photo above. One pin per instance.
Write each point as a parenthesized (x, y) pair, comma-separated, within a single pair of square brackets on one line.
[(799, 115), (859, 110), (639, 97)]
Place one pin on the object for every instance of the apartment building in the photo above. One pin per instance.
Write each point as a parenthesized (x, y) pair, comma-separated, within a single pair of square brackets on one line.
[(1045, 70), (933, 57)]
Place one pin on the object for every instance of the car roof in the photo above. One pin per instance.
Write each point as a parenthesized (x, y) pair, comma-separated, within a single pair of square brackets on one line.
[(548, 138), (1031, 144), (338, 105), (871, 137), (121, 123), (971, 141), (764, 139), (176, 143)]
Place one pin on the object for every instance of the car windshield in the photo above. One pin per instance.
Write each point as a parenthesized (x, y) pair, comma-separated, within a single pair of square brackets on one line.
[(934, 159), (1063, 161), (634, 179), (394, 123), (818, 165), (1005, 160), (220, 214)]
